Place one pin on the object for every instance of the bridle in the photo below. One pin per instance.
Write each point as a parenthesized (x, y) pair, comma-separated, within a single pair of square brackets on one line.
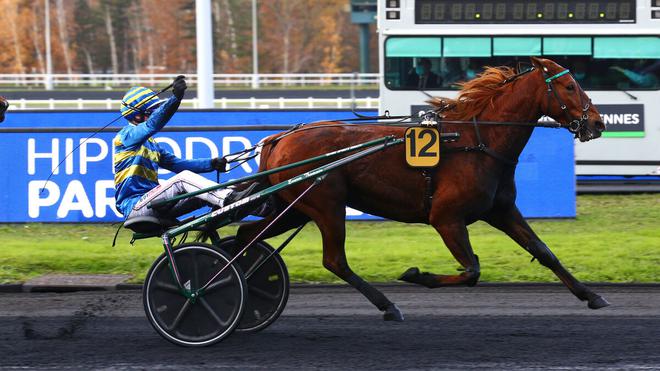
[(573, 125)]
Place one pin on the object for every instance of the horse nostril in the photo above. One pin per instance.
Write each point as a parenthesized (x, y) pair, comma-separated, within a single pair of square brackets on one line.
[(599, 125)]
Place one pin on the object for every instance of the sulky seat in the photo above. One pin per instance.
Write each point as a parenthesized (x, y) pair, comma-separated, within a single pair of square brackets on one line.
[(149, 224)]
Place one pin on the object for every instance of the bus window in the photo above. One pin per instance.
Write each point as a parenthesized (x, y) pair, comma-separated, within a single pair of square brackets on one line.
[(632, 62), (598, 63)]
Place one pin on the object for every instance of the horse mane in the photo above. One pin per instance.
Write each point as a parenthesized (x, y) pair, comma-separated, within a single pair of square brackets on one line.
[(474, 95)]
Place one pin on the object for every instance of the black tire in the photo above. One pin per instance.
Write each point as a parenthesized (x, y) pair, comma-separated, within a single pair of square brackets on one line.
[(210, 318), (268, 287)]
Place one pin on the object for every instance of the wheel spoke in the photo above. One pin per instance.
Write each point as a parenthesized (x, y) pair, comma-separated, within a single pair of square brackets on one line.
[(219, 284), (182, 312), (168, 287), (213, 314), (250, 271), (195, 282), (261, 293)]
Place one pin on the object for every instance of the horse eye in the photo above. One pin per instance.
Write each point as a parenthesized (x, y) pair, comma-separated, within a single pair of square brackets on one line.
[(571, 87)]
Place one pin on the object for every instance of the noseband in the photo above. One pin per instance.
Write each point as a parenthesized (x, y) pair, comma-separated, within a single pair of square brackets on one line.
[(573, 125)]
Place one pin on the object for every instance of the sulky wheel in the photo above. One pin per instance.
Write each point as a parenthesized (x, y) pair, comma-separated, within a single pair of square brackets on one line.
[(210, 317), (268, 286)]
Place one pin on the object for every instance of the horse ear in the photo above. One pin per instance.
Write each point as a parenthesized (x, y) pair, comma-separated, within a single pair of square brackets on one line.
[(537, 63)]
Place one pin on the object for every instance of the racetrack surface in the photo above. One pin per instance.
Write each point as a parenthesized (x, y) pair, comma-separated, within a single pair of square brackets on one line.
[(493, 327)]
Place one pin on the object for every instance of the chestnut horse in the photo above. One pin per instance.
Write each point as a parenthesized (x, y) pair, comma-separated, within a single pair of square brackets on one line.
[(468, 186), (4, 104)]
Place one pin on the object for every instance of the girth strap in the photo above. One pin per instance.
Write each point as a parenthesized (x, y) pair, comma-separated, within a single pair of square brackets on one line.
[(428, 190)]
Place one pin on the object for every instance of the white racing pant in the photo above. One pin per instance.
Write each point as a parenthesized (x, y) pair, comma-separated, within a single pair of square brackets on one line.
[(183, 182)]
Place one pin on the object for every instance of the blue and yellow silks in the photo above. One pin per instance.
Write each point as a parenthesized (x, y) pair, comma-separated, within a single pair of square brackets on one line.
[(137, 158)]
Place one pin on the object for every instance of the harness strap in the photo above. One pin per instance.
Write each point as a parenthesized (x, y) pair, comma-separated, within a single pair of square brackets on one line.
[(480, 147), (484, 149), (428, 190)]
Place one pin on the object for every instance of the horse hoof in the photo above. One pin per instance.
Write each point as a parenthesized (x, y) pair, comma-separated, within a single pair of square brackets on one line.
[(598, 302), (392, 313), (410, 275)]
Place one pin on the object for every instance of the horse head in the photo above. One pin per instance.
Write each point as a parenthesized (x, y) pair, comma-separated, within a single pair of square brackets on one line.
[(4, 104), (567, 103)]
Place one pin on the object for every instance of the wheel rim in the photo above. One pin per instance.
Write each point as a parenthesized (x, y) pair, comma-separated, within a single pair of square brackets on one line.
[(267, 286), (209, 318)]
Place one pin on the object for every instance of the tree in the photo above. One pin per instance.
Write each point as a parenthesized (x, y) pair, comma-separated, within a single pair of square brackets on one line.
[(63, 31), (90, 41), (10, 16), (123, 36), (109, 29), (37, 36), (224, 37)]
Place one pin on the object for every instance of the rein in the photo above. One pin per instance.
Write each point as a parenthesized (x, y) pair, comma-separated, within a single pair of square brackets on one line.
[(402, 121), (574, 125)]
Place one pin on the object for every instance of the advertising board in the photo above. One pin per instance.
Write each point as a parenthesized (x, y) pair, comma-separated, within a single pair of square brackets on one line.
[(82, 188)]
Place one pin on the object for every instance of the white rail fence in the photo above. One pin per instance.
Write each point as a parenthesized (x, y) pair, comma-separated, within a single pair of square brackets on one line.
[(227, 80), (222, 103)]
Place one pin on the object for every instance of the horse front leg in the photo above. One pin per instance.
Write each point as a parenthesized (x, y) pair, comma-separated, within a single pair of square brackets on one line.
[(511, 222), (455, 236)]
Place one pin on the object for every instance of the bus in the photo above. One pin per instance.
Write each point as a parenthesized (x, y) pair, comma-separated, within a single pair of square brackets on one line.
[(612, 47)]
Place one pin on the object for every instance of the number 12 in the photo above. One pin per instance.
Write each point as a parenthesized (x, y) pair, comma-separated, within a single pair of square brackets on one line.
[(424, 152)]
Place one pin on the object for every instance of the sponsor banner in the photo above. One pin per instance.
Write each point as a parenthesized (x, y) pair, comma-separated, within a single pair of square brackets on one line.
[(622, 120), (82, 188)]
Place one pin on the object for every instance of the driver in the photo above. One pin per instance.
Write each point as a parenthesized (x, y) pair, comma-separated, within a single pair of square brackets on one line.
[(137, 157)]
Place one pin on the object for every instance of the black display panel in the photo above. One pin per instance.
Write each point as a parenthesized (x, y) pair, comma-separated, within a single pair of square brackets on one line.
[(525, 12)]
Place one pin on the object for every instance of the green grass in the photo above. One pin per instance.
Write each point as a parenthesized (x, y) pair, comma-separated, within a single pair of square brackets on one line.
[(614, 238)]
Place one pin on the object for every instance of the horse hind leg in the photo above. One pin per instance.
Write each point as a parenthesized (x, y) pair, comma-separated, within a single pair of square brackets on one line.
[(293, 219), (455, 236), (333, 233)]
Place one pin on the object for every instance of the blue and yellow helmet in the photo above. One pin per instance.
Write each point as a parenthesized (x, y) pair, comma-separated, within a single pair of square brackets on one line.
[(138, 100)]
